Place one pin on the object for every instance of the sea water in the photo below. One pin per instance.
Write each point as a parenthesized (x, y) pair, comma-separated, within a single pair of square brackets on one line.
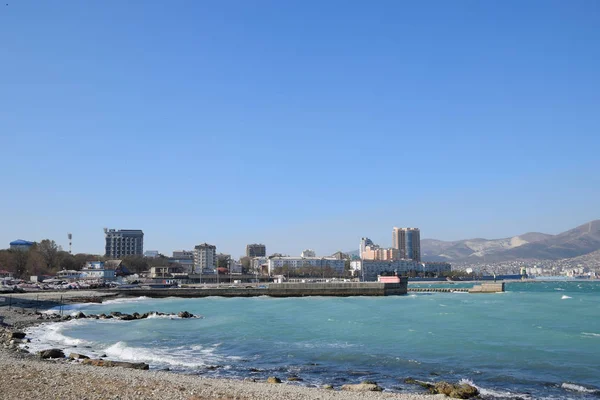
[(537, 340)]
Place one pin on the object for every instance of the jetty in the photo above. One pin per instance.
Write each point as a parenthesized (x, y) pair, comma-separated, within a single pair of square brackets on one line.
[(331, 289), (495, 287)]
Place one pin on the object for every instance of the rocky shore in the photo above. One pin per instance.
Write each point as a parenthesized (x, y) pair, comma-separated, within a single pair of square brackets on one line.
[(52, 374)]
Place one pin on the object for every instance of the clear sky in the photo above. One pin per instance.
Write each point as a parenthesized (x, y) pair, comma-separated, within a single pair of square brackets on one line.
[(298, 124)]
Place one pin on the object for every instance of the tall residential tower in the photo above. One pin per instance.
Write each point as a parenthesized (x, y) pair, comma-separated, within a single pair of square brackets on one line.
[(408, 242)]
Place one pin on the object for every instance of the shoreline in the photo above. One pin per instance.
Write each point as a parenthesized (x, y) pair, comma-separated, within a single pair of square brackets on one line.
[(27, 376)]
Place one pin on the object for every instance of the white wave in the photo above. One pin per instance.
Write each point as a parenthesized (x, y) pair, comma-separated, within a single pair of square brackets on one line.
[(164, 316), (495, 393), (578, 388), (565, 297), (52, 335), (198, 357), (590, 334), (561, 289), (126, 300), (122, 351)]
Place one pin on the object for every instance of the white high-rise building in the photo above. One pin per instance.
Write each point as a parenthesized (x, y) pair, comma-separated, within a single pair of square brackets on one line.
[(205, 257)]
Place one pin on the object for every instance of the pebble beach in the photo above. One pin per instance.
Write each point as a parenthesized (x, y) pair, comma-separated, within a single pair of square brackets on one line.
[(26, 376)]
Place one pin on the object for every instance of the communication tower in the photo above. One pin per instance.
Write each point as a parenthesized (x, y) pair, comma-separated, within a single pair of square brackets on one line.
[(70, 236)]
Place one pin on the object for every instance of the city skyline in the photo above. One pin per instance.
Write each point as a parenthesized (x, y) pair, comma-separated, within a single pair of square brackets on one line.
[(208, 122)]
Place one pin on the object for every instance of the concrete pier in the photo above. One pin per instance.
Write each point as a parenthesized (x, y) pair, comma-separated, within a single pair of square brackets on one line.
[(341, 289), (495, 287)]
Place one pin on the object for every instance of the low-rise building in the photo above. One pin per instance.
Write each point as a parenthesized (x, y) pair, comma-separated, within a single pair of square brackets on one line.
[(368, 270), (436, 268), (151, 253), (68, 274), (299, 262), (21, 245), (170, 271), (308, 253), (99, 270)]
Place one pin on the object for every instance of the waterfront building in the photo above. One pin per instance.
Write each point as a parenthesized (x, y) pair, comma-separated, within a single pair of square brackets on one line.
[(308, 253), (185, 259), (408, 242), (205, 257), (299, 262), (21, 245), (98, 270), (183, 255), (170, 271), (368, 270), (69, 274), (256, 250), (364, 242), (151, 253), (374, 252), (436, 268), (339, 255), (123, 242), (260, 265)]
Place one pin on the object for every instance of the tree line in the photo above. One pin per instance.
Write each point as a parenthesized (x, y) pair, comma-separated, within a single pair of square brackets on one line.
[(47, 258)]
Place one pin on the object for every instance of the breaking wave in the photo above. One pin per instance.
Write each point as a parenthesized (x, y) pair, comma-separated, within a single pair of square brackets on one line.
[(188, 357), (579, 388)]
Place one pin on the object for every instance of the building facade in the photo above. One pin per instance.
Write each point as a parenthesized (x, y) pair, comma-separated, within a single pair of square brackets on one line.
[(308, 253), (256, 250), (408, 242), (299, 262), (185, 259), (205, 257), (151, 253), (364, 242), (374, 252), (368, 270), (123, 242), (183, 254)]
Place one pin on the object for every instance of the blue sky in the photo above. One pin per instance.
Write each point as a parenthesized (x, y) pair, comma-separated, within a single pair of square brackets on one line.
[(298, 124)]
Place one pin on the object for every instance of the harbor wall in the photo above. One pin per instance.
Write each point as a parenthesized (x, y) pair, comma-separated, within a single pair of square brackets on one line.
[(495, 287), (281, 290)]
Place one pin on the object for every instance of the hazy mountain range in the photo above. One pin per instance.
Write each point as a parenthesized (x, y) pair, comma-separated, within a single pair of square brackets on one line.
[(576, 242)]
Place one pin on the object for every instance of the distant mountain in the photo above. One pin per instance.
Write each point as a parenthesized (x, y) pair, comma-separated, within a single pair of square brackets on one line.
[(534, 245)]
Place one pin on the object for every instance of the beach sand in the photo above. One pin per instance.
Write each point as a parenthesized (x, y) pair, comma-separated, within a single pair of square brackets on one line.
[(26, 376)]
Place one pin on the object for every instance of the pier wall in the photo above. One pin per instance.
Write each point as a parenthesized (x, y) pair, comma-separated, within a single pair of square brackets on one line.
[(281, 290), (495, 287)]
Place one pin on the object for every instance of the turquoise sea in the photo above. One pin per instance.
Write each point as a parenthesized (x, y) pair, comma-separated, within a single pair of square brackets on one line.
[(538, 340)]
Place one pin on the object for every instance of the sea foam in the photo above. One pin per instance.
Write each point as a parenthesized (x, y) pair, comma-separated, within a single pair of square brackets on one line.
[(579, 388), (184, 356)]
